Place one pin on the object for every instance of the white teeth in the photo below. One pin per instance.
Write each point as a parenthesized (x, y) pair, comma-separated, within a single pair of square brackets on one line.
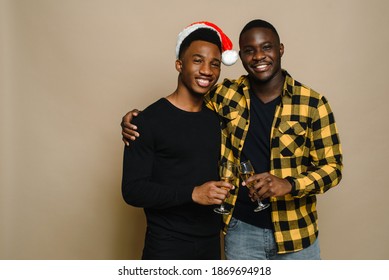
[(261, 67), (203, 83)]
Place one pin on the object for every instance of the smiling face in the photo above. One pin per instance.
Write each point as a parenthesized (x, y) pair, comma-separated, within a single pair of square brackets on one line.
[(261, 52), (199, 67)]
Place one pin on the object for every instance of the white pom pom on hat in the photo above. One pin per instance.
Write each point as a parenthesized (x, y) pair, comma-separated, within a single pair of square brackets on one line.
[(229, 56)]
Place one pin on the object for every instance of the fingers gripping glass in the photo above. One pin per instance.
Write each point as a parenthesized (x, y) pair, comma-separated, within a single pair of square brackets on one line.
[(246, 170), (227, 172)]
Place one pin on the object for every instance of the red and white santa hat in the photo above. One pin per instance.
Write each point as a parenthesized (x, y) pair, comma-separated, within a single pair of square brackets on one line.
[(229, 56)]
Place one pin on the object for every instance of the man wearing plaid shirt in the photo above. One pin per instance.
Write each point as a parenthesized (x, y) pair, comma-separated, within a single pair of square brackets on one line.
[(288, 132)]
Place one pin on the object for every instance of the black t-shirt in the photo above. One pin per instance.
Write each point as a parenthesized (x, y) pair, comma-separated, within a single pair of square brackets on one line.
[(257, 149), (176, 151)]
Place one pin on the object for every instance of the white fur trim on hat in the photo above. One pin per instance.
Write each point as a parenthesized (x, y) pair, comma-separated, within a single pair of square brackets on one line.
[(229, 56)]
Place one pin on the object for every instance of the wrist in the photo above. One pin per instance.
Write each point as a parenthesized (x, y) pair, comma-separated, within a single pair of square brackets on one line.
[(292, 182), (194, 194)]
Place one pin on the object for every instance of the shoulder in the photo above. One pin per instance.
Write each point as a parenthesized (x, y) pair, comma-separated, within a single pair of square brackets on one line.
[(302, 93), (155, 107), (242, 81), (229, 89), (152, 112)]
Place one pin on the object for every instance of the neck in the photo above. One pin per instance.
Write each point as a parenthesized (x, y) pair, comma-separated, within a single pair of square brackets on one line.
[(186, 101), (268, 90)]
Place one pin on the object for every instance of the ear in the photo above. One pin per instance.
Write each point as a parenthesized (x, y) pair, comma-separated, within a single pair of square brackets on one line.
[(282, 49), (179, 65)]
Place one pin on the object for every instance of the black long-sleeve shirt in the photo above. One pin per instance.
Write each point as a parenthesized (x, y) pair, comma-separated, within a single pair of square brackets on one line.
[(176, 151)]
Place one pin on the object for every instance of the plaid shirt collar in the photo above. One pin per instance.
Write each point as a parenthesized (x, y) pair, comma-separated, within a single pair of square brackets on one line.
[(289, 83)]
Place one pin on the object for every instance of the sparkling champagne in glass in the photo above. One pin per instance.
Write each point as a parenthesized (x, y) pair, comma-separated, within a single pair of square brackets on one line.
[(246, 170), (227, 172)]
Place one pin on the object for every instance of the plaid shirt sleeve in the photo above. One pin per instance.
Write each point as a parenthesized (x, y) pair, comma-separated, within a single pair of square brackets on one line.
[(324, 154)]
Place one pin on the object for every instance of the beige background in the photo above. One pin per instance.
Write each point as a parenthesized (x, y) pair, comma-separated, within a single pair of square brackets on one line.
[(70, 69)]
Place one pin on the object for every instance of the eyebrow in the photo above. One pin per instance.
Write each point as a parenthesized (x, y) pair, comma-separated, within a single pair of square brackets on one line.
[(199, 55), (249, 45)]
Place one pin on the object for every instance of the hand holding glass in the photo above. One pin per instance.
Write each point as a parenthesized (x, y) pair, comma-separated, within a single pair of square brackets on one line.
[(227, 172), (246, 170)]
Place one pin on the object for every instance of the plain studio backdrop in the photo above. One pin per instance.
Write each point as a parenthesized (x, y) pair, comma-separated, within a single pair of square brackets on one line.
[(69, 70)]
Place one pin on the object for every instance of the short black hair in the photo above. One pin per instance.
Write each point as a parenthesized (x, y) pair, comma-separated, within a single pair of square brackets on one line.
[(261, 24), (201, 34)]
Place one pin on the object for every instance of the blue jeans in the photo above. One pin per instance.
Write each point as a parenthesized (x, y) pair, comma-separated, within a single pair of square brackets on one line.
[(247, 242)]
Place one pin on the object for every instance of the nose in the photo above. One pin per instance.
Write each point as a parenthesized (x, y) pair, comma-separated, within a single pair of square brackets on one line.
[(259, 55), (205, 69)]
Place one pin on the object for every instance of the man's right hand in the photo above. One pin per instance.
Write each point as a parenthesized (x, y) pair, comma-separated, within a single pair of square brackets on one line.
[(129, 130), (210, 193)]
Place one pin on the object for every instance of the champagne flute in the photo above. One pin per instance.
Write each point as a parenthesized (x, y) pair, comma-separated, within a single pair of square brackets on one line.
[(227, 172), (246, 170)]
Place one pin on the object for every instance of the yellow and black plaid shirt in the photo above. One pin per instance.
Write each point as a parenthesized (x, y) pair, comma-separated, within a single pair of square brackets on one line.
[(304, 147)]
